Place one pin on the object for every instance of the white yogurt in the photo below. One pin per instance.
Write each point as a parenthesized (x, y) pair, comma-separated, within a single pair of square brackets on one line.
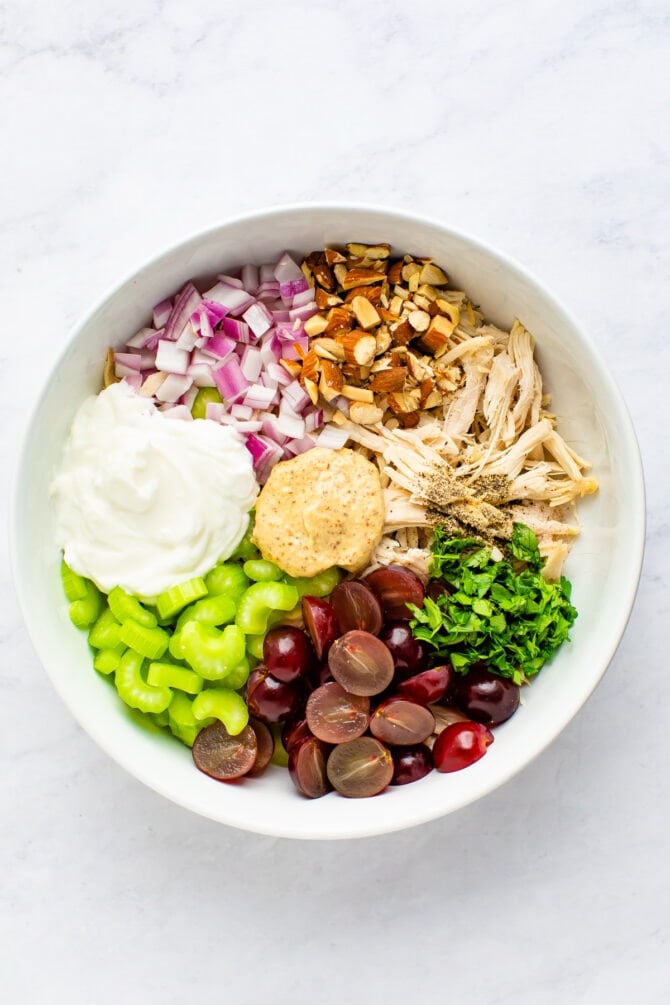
[(145, 502)]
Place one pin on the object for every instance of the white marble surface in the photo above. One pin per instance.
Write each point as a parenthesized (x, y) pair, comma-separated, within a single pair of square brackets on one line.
[(541, 126)]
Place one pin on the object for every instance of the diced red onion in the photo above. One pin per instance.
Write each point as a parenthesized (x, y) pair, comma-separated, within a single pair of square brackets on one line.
[(242, 426), (231, 281), (279, 316), (201, 375), (260, 397), (187, 301), (234, 299), (303, 298), (294, 397), (250, 279), (291, 289), (171, 358), (269, 428), (287, 270), (173, 387), (130, 360), (189, 337), (216, 312), (230, 380), (251, 363), (220, 346), (122, 371), (161, 313), (333, 437), (266, 274), (291, 425), (177, 412), (289, 350), (258, 318), (313, 420), (140, 339), (188, 398), (237, 330), (242, 412), (295, 447), (304, 312), (277, 373), (214, 410)]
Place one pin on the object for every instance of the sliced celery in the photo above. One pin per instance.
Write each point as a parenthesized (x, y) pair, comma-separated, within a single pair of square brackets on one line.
[(255, 646), (149, 642), (182, 722), (107, 660), (260, 601), (134, 690), (125, 606), (224, 704), (262, 571), (321, 585), (105, 632), (169, 675), (213, 611), (227, 579), (84, 612), (74, 585), (238, 677), (180, 596), (211, 653)]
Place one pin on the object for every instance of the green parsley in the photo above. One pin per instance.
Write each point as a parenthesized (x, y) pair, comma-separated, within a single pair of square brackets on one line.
[(502, 613)]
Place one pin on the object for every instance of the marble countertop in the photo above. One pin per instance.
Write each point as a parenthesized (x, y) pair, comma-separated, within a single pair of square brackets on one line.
[(544, 128)]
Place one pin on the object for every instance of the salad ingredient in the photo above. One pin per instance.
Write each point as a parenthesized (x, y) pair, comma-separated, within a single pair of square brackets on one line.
[(124, 607), (321, 623), (172, 601), (223, 756), (334, 715), (127, 515), (224, 704), (460, 745), (356, 606), (134, 690), (395, 588), (411, 763), (511, 621), (485, 697), (265, 747), (361, 663), (307, 767), (169, 675), (211, 653), (84, 612), (287, 653), (359, 768), (260, 601), (428, 686), (400, 722), (270, 699), (293, 732), (149, 642), (409, 654), (321, 509)]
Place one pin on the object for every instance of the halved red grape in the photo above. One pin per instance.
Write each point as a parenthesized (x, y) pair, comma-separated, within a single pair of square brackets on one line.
[(359, 768), (223, 756), (356, 607), (409, 654), (307, 767), (294, 731), (444, 716), (437, 588), (272, 700), (401, 722), (460, 745), (411, 763), (334, 716), (426, 687), (321, 623), (361, 663), (287, 653), (396, 587), (484, 696), (265, 747)]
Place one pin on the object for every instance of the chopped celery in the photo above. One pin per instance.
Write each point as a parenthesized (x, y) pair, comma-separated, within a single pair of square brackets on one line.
[(238, 677), (107, 660), (105, 632), (260, 601), (149, 642), (134, 690), (211, 653), (182, 722), (213, 611), (74, 585), (321, 585), (227, 579), (169, 675), (162, 718), (262, 571), (85, 611), (224, 704), (255, 646), (177, 597), (203, 398), (125, 606)]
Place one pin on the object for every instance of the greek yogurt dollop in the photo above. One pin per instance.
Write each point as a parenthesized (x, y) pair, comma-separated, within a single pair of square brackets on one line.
[(144, 501)]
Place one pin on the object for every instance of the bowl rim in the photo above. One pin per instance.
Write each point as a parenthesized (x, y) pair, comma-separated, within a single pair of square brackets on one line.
[(637, 503)]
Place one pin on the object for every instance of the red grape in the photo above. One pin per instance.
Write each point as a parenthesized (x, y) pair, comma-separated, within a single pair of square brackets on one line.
[(409, 654), (307, 767), (223, 756), (396, 587), (460, 745), (294, 731), (287, 653), (334, 716), (426, 687), (360, 768), (272, 700), (411, 763), (401, 722), (321, 623), (485, 697), (265, 747), (356, 607), (361, 663)]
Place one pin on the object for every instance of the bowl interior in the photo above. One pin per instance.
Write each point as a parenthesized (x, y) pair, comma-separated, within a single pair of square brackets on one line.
[(604, 565)]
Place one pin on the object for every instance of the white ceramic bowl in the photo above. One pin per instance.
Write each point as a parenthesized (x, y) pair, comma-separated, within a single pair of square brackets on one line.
[(604, 565)]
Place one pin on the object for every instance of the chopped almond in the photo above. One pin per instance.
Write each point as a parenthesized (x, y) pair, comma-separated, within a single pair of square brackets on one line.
[(433, 275), (360, 277), (365, 313), (311, 366), (109, 371), (315, 325), (358, 394), (312, 389), (383, 339), (334, 257), (364, 414), (328, 348), (395, 273), (419, 320), (371, 251), (405, 401), (324, 277), (152, 383), (292, 366), (392, 379), (359, 348)]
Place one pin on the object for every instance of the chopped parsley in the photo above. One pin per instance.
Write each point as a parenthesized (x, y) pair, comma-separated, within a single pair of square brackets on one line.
[(502, 613)]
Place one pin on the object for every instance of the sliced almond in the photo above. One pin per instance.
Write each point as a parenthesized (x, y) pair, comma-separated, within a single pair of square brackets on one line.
[(371, 251), (433, 400), (291, 366), (392, 379), (405, 401), (357, 393), (340, 271), (429, 292), (371, 293), (324, 277), (442, 324), (311, 367), (152, 383), (333, 257), (433, 275), (365, 313), (395, 306), (328, 348), (412, 269), (358, 348), (360, 277), (313, 390), (339, 321), (419, 320), (422, 302), (413, 284), (401, 292), (315, 325), (451, 311), (395, 273), (109, 371), (364, 414), (383, 339)]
